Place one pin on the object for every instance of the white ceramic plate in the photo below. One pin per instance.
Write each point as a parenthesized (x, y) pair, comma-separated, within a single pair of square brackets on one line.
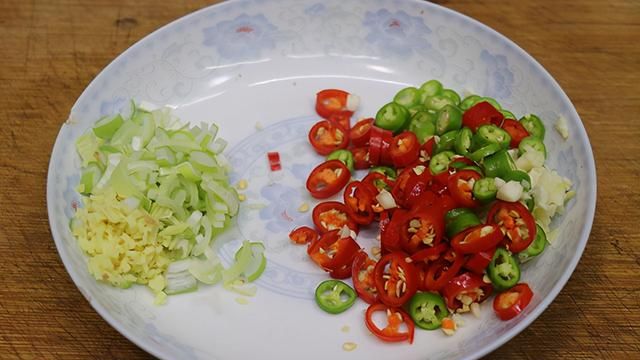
[(245, 62)]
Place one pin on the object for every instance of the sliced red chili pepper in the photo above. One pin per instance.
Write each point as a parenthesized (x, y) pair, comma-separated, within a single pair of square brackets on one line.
[(331, 252), (396, 279), (477, 238), (358, 200), (327, 179), (331, 101), (332, 215), (446, 201), (344, 271), (426, 199), (378, 181), (478, 262), (404, 149), (516, 223), (379, 144), (360, 158), (511, 302), (460, 186), (303, 235), (465, 289), (342, 118), (420, 229), (326, 137), (429, 254), (395, 318), (390, 230), (426, 151), (482, 113), (441, 271), (361, 132), (362, 276), (274, 161), (515, 130)]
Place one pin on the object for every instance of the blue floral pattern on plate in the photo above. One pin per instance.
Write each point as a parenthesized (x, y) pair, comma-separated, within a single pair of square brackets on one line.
[(243, 38), (397, 33), (499, 76)]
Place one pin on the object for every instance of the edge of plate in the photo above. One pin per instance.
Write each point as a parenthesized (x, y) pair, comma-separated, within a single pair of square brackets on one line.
[(518, 328)]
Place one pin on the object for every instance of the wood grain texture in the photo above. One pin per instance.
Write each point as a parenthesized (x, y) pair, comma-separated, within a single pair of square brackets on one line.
[(50, 50)]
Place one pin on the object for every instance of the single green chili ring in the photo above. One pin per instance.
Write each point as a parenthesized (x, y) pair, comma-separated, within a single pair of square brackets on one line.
[(427, 310), (492, 101), (423, 124), (408, 97), (329, 296), (508, 114), (537, 246), (452, 95), (437, 102), (345, 156), (460, 223), (440, 162), (431, 88), (482, 153), (447, 141), (485, 189), (532, 143), (491, 134), (498, 165), (503, 270), (392, 117), (463, 141), (534, 125), (448, 118)]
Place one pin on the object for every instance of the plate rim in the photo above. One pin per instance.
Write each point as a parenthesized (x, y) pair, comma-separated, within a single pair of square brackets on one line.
[(487, 348)]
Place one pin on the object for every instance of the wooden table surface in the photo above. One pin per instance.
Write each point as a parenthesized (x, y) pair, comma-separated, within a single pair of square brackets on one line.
[(51, 49)]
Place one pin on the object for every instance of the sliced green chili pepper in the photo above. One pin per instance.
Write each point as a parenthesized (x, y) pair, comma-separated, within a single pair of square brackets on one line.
[(448, 118), (503, 270), (390, 173), (491, 134), (463, 141), (482, 153), (427, 310), (508, 114), (415, 109), (491, 101), (534, 125), (469, 101), (330, 296), (437, 102), (392, 117), (423, 124), (520, 176), (440, 162), (345, 156), (485, 189), (459, 221), (452, 95), (530, 203), (537, 246), (471, 167), (408, 97), (498, 165), (431, 88), (447, 141), (532, 143)]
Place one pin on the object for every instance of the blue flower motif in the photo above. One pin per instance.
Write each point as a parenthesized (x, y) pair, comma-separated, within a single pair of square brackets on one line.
[(242, 38), (301, 171), (112, 107), (396, 33), (315, 9), (281, 211), (500, 78)]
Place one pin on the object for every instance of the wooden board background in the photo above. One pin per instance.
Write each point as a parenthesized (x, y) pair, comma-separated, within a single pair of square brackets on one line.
[(51, 49)]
